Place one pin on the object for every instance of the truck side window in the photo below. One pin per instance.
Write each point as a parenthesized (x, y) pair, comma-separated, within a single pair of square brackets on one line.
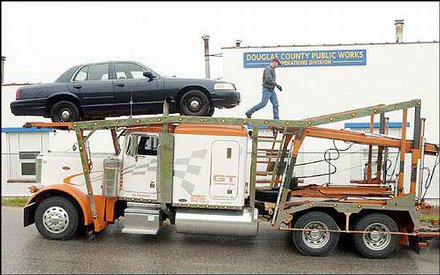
[(148, 146)]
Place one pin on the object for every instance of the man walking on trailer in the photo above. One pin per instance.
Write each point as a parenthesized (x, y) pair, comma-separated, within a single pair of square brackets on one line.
[(269, 85)]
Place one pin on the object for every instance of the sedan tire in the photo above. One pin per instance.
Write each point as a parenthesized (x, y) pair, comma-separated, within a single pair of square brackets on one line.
[(195, 103), (64, 111)]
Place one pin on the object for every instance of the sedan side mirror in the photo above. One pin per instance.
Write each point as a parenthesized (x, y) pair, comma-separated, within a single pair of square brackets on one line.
[(149, 75)]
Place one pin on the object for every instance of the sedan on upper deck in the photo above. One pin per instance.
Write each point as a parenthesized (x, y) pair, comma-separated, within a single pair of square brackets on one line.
[(118, 88)]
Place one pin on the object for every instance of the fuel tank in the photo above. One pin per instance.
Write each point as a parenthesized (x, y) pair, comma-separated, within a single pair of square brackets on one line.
[(217, 222)]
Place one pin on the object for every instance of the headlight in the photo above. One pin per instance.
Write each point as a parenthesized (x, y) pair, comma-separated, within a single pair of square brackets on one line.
[(224, 86)]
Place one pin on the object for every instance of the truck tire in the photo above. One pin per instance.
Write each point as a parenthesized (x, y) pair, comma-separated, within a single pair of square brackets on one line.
[(56, 218), (64, 111), (375, 245), (315, 243), (195, 103)]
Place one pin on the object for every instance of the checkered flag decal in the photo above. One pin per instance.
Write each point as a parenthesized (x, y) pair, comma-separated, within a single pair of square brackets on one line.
[(189, 169)]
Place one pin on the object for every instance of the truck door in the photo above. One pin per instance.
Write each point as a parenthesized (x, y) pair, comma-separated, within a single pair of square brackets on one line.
[(225, 157), (139, 177)]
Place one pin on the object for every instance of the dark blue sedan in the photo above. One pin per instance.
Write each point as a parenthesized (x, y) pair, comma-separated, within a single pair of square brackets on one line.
[(106, 89)]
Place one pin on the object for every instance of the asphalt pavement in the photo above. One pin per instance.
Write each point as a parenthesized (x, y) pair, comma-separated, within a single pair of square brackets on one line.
[(24, 250)]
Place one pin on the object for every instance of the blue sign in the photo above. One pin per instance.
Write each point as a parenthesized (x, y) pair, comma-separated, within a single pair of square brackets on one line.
[(306, 58)]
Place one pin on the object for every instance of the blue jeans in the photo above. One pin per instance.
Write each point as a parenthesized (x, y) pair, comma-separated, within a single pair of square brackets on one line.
[(267, 94)]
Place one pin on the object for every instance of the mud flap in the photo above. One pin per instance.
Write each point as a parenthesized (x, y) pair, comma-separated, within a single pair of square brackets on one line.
[(29, 214), (414, 243)]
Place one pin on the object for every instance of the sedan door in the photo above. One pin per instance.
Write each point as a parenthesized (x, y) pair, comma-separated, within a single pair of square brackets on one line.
[(134, 93), (95, 90)]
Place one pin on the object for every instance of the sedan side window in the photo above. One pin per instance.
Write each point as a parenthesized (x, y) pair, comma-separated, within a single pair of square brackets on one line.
[(82, 74), (98, 72), (129, 71)]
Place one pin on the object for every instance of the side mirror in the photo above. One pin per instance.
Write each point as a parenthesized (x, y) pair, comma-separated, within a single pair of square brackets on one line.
[(133, 146), (149, 75)]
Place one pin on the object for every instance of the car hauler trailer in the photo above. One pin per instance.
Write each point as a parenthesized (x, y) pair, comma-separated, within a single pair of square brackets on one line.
[(192, 171)]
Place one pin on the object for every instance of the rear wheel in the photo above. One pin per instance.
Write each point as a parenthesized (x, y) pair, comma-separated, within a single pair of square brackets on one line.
[(64, 111), (376, 243), (195, 103), (315, 241), (57, 218)]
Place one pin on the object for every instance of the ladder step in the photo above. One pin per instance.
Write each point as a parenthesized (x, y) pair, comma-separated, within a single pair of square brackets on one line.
[(263, 181), (269, 140), (264, 173), (272, 137)]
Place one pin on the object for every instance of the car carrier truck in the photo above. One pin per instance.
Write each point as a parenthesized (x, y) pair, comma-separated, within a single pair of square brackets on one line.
[(196, 173)]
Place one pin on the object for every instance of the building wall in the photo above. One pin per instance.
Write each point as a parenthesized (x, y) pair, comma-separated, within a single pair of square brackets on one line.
[(393, 73)]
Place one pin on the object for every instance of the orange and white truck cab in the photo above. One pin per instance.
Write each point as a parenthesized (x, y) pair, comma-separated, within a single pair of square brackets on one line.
[(209, 174)]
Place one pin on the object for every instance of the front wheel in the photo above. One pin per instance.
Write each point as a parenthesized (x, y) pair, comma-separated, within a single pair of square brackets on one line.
[(315, 240), (57, 218), (211, 111), (376, 243), (195, 103)]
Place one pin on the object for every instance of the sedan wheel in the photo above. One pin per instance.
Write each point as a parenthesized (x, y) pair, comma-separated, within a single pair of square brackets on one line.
[(195, 103), (64, 111)]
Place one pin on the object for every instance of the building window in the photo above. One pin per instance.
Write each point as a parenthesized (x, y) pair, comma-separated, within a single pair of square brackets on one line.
[(28, 162), (19, 153)]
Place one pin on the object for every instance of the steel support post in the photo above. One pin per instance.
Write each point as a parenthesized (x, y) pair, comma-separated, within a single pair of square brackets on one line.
[(402, 154), (283, 192), (253, 180), (380, 148), (370, 151), (86, 171), (417, 139), (115, 140), (386, 154), (422, 160)]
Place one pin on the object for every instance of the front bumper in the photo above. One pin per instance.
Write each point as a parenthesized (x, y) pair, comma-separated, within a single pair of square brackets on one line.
[(29, 107), (225, 98)]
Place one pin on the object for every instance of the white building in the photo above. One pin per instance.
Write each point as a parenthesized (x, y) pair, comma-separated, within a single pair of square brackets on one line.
[(368, 74), (323, 79)]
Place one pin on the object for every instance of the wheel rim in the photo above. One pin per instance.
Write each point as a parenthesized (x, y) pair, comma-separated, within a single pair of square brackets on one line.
[(55, 219), (314, 237), (65, 114), (195, 104), (375, 239)]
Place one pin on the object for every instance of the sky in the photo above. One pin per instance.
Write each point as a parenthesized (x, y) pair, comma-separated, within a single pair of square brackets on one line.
[(42, 40)]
